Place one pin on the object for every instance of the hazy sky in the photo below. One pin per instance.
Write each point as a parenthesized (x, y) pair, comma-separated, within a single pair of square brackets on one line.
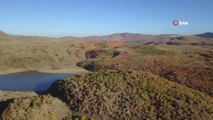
[(102, 17)]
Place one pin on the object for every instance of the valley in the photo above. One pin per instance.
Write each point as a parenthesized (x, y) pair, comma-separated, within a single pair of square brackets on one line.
[(118, 76)]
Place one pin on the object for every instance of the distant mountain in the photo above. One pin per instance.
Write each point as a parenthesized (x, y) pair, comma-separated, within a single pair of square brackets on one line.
[(2, 33), (127, 37), (9, 37), (205, 35), (120, 38)]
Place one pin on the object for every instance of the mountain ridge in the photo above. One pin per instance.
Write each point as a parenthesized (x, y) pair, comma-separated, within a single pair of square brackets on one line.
[(114, 35), (205, 35), (117, 38)]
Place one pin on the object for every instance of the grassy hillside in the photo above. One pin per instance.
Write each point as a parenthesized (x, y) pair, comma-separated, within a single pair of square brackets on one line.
[(131, 95), (6, 98), (44, 53), (20, 53), (38, 55), (36, 108), (187, 65)]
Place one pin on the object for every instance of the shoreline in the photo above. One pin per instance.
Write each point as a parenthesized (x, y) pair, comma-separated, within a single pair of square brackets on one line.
[(57, 71)]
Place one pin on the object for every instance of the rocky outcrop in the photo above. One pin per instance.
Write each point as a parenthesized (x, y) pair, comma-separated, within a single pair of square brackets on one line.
[(92, 54)]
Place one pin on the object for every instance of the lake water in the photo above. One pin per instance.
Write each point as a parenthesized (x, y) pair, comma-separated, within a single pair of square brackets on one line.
[(29, 81)]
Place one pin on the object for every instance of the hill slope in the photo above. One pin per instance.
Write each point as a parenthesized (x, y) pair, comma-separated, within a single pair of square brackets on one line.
[(205, 35), (131, 95), (36, 108)]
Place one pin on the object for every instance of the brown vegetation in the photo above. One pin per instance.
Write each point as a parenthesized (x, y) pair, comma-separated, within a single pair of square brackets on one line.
[(186, 72), (131, 95), (36, 108)]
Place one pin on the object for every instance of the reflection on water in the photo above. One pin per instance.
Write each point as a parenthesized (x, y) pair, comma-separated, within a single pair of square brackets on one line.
[(29, 81)]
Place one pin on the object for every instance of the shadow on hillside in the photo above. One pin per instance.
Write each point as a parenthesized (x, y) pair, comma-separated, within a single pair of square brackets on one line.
[(4, 105)]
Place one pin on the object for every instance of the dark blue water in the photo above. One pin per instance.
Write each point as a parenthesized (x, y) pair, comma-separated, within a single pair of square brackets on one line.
[(29, 81)]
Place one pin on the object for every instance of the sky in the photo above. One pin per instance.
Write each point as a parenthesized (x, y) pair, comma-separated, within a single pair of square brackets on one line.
[(103, 17)]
